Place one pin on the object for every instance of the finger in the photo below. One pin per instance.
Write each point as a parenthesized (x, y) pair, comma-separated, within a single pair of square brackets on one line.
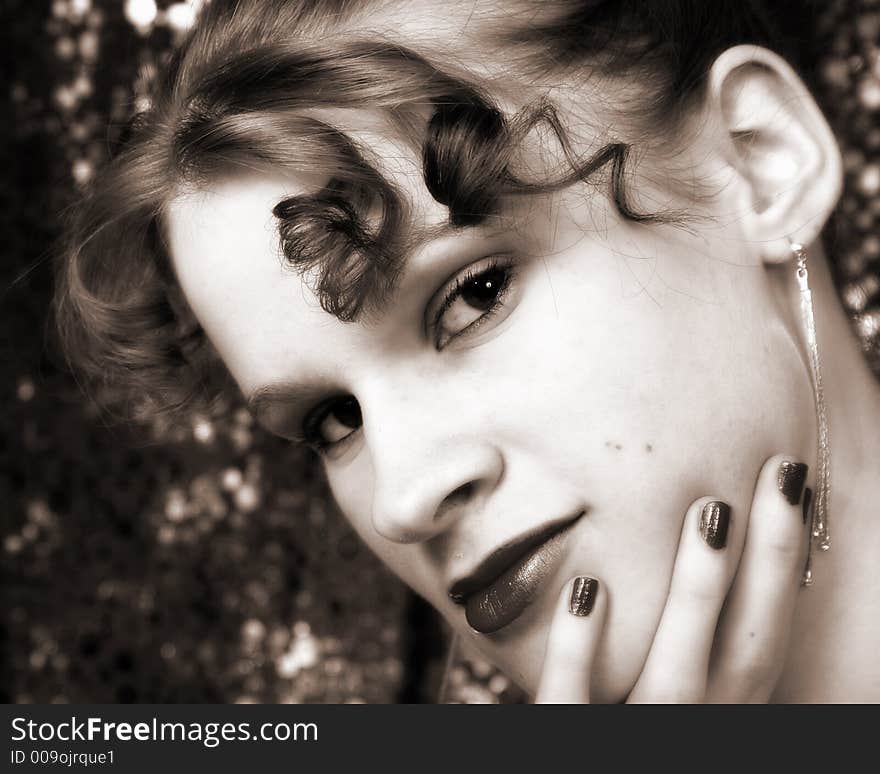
[(572, 643), (753, 632), (677, 665)]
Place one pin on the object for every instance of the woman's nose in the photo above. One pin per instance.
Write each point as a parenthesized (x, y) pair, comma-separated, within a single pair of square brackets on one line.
[(424, 486)]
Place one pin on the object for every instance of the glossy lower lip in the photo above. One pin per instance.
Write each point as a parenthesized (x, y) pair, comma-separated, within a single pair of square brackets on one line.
[(505, 598)]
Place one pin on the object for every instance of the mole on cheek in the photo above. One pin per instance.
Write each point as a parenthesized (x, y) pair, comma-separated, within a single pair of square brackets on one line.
[(611, 445)]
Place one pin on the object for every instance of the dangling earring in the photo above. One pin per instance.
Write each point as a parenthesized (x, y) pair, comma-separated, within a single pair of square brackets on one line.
[(819, 505)]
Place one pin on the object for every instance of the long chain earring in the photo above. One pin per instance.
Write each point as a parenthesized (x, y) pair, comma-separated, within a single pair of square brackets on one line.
[(819, 523)]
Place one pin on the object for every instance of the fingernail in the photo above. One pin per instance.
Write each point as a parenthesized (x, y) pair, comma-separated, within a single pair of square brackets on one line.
[(583, 596), (713, 523), (790, 480), (808, 499)]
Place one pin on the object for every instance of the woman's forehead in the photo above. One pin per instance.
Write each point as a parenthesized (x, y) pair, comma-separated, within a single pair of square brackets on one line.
[(226, 254)]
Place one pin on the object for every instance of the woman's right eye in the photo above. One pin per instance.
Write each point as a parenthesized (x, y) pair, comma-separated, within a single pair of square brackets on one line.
[(332, 422)]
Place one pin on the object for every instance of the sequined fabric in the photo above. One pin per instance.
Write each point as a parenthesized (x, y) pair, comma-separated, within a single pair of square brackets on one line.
[(848, 88)]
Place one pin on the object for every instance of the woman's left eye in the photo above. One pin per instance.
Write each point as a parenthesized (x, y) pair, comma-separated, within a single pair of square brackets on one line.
[(331, 423), (472, 298)]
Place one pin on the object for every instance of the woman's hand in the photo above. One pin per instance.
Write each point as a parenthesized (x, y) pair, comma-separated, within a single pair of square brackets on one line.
[(695, 657)]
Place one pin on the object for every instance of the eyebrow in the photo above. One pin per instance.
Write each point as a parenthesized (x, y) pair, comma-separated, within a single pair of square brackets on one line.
[(284, 393), (425, 234)]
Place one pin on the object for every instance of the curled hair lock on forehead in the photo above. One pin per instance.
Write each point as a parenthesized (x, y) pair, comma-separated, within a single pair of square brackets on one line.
[(466, 167), (251, 89)]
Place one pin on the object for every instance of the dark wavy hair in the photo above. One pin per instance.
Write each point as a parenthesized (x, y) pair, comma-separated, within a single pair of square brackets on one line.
[(247, 90)]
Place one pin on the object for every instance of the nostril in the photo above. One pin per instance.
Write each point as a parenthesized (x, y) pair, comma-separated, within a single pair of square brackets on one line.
[(462, 494), (458, 496)]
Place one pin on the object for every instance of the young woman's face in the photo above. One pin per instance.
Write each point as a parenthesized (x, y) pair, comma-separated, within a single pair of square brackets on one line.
[(555, 377)]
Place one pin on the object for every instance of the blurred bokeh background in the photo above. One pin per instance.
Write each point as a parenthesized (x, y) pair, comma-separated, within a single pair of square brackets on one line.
[(206, 562)]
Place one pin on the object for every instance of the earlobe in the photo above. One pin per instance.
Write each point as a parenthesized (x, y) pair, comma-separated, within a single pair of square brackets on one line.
[(780, 146)]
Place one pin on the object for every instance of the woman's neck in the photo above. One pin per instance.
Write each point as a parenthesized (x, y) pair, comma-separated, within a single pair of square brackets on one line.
[(836, 633)]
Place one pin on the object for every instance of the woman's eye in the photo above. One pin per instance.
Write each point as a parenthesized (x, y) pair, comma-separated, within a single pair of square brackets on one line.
[(332, 422), (472, 298)]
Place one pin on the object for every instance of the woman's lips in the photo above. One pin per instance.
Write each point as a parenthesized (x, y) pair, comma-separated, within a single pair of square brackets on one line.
[(505, 598)]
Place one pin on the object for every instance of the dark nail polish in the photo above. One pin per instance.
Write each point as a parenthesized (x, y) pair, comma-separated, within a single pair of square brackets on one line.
[(791, 479), (583, 596), (808, 501), (713, 523)]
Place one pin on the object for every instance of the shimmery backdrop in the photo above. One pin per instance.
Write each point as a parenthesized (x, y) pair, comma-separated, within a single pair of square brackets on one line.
[(203, 563)]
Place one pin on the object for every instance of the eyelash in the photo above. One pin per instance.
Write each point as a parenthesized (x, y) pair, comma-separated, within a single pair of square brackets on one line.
[(471, 273), (311, 435)]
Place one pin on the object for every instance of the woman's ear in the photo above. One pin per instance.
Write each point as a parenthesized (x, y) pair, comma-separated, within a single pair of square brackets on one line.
[(779, 145)]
